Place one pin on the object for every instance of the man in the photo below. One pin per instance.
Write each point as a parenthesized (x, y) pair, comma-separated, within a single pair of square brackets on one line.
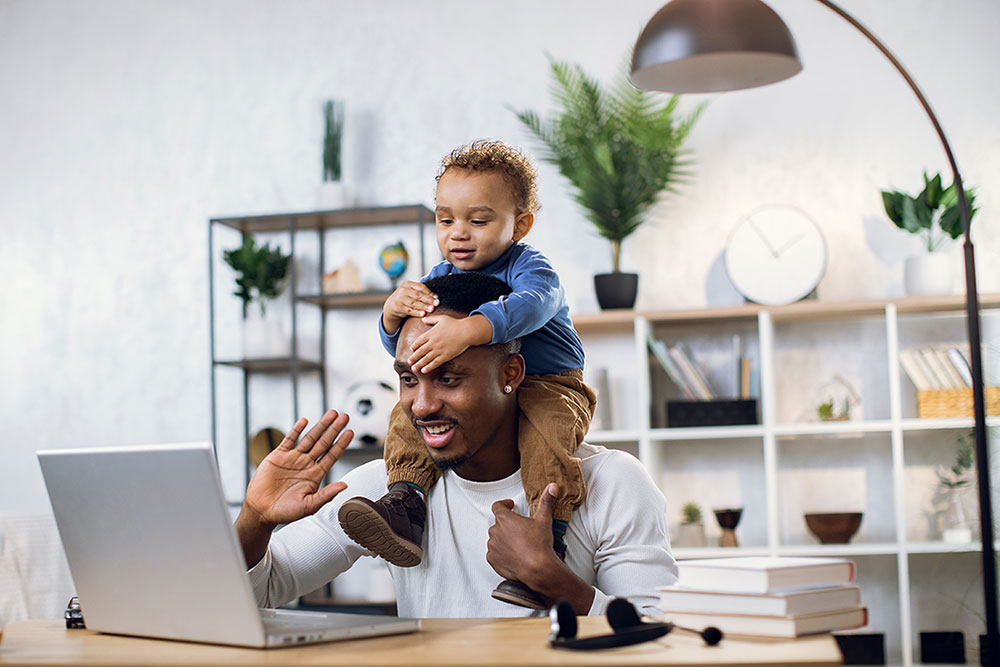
[(477, 529)]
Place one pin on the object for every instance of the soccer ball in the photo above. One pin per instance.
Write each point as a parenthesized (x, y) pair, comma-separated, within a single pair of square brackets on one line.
[(369, 403)]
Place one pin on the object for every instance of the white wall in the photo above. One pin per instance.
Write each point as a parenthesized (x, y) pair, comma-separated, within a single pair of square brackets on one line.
[(125, 125)]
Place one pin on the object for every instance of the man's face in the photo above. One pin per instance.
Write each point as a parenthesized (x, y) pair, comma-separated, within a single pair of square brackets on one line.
[(475, 217), (460, 409)]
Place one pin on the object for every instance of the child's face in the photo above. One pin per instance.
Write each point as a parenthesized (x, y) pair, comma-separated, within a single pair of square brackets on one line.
[(476, 218)]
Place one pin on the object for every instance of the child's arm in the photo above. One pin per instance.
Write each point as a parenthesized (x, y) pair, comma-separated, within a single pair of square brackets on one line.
[(536, 298)]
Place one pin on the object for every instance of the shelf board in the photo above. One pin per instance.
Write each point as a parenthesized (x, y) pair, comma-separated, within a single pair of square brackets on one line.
[(810, 309), (271, 365), (834, 428), (852, 549), (707, 433), (342, 218), (598, 437), (942, 548), (348, 300), (688, 553)]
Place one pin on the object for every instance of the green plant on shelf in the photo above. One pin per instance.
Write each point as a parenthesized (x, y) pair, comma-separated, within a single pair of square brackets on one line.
[(827, 412), (691, 512), (260, 272), (933, 214), (959, 475)]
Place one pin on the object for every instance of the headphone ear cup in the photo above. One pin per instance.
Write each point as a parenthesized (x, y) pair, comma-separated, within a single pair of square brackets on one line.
[(563, 619), (622, 615)]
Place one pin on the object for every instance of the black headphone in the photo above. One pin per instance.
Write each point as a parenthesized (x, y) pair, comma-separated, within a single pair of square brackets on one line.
[(623, 619)]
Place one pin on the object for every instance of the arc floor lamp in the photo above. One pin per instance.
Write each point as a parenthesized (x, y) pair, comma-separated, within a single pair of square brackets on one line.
[(704, 46)]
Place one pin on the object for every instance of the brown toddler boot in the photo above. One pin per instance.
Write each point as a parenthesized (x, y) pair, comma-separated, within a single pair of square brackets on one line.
[(391, 527)]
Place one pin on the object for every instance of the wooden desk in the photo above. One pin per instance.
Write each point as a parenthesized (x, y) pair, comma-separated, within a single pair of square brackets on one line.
[(491, 642)]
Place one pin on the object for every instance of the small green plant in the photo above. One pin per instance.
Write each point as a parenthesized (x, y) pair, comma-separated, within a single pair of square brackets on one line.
[(620, 148), (959, 475), (260, 271), (691, 513), (934, 214), (333, 115), (827, 411)]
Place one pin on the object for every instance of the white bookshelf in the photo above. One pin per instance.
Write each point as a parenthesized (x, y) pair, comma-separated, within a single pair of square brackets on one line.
[(883, 464)]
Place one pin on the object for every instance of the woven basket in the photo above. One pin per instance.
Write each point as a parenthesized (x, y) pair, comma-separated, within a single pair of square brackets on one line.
[(954, 402)]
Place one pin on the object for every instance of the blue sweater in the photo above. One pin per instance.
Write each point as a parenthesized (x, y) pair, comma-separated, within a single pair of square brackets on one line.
[(536, 311)]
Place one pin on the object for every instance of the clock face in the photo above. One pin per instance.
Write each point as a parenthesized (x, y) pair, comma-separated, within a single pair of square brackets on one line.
[(775, 255)]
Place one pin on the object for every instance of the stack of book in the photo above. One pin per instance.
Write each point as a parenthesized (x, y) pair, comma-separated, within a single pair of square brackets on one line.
[(936, 367), (765, 597)]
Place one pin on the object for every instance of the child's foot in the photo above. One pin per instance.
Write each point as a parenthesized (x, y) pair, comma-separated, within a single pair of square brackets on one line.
[(391, 527), (515, 592)]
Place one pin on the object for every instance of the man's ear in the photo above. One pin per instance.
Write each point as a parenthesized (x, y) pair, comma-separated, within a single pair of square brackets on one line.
[(512, 372), (523, 225)]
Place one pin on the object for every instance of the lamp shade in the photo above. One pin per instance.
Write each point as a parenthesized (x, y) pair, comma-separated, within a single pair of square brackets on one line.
[(707, 46)]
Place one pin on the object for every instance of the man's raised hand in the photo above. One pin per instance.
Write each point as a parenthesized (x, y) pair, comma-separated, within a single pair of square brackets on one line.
[(287, 484)]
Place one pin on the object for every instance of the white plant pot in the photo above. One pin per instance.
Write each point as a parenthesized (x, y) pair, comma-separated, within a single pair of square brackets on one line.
[(333, 195), (264, 337), (929, 274)]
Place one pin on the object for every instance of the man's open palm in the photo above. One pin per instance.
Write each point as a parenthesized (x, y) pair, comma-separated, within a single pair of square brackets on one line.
[(287, 484)]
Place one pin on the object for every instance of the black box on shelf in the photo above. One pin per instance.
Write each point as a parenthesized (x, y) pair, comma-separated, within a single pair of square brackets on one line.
[(715, 412)]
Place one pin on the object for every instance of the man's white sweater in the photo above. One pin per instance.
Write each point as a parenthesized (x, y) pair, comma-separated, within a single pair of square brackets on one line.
[(617, 542)]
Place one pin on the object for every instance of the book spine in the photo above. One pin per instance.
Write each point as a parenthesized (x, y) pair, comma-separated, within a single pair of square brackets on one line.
[(961, 365), (913, 371), (932, 362), (659, 350), (954, 378), (691, 373)]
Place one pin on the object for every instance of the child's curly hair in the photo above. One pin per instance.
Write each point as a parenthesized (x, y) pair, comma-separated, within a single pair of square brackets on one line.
[(489, 155)]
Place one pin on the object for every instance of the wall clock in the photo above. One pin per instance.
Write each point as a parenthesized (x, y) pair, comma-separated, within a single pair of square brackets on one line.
[(775, 255)]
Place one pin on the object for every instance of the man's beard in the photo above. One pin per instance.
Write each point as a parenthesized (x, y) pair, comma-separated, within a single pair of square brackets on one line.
[(450, 464)]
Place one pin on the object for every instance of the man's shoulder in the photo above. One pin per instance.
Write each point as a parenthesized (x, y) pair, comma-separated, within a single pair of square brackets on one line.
[(598, 460)]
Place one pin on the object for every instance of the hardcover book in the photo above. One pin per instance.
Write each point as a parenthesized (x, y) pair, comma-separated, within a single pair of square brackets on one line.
[(762, 574)]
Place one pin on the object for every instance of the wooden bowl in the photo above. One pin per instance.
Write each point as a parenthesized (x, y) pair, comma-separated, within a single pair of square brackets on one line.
[(833, 527)]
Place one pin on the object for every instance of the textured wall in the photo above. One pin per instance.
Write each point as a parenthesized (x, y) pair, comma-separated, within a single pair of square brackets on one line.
[(125, 125)]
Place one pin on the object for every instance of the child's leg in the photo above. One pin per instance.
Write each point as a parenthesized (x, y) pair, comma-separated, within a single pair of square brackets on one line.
[(406, 457), (393, 526), (555, 414), (556, 411)]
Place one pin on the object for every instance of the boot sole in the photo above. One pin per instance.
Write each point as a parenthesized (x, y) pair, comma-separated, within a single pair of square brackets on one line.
[(366, 527), (514, 599)]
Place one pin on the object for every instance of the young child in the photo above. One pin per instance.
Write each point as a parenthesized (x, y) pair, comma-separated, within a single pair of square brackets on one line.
[(485, 204)]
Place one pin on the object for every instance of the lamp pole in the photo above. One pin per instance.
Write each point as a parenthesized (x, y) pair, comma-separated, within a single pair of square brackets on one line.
[(975, 350)]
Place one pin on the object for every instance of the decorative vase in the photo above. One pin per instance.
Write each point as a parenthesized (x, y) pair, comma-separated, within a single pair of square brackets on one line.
[(929, 274), (616, 290), (955, 528), (728, 519), (333, 195), (263, 337), (691, 535)]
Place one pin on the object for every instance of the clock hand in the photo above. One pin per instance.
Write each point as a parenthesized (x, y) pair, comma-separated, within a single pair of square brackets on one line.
[(788, 245), (763, 238)]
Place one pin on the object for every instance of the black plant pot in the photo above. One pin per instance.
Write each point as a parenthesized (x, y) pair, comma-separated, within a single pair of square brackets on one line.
[(616, 290)]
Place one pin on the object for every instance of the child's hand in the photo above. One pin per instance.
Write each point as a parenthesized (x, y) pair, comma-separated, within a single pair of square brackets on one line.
[(448, 338), (411, 299)]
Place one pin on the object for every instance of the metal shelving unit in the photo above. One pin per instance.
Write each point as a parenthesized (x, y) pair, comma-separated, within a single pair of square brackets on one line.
[(295, 365)]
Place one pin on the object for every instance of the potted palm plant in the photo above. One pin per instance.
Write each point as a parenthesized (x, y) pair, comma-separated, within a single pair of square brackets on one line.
[(332, 194), (934, 216), (621, 149)]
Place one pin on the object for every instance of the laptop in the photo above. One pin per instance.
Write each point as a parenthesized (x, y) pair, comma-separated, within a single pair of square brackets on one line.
[(153, 552)]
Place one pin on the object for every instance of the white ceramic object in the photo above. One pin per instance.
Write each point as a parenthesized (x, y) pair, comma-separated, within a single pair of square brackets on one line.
[(333, 195), (263, 337), (929, 274)]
